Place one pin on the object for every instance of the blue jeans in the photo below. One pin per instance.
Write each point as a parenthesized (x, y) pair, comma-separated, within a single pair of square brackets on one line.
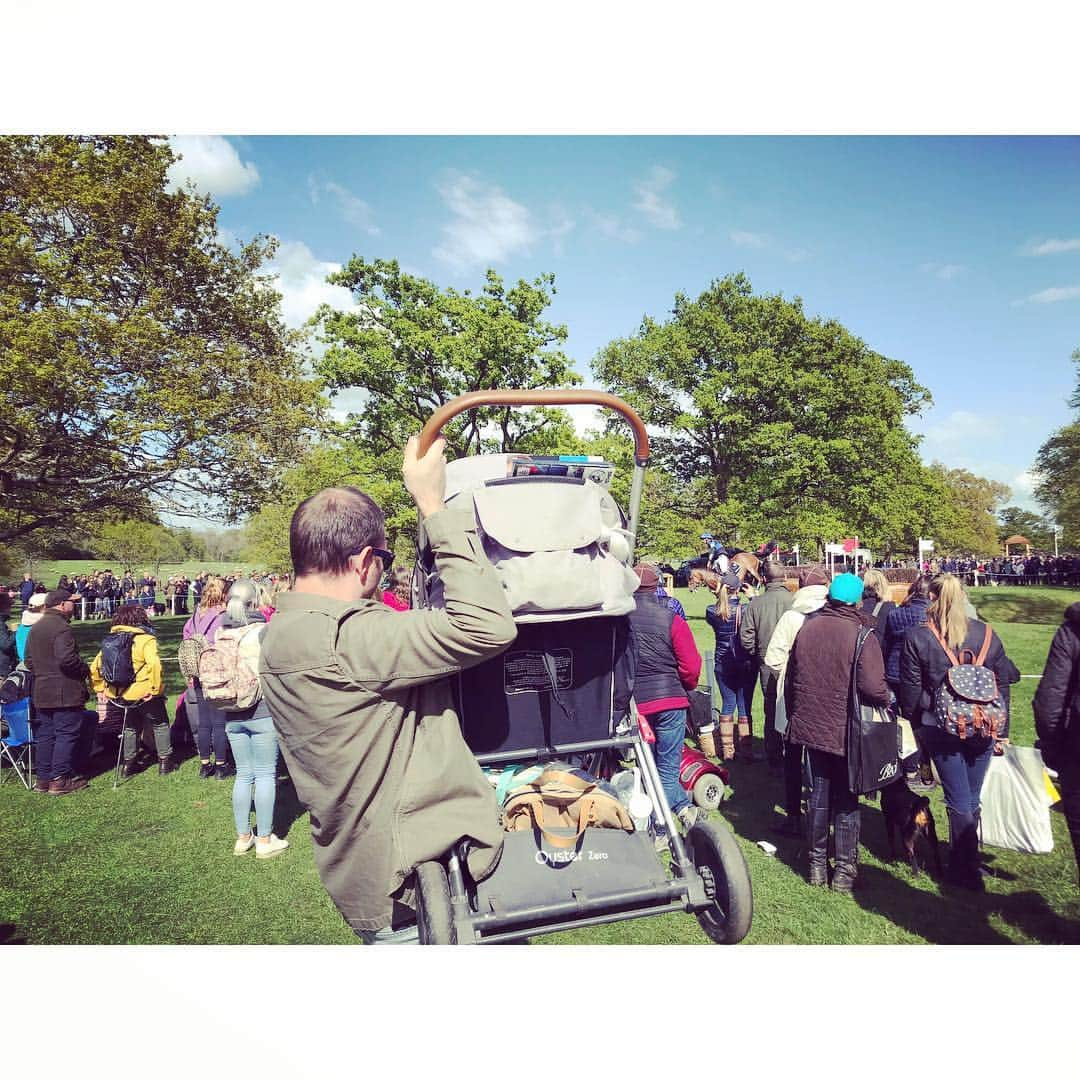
[(736, 685), (670, 730), (961, 764), (255, 750)]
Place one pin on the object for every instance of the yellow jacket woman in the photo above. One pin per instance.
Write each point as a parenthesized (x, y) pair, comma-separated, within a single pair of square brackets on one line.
[(149, 678), (143, 702)]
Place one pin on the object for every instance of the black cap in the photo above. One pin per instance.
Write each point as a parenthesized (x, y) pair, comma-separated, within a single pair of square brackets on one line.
[(58, 596)]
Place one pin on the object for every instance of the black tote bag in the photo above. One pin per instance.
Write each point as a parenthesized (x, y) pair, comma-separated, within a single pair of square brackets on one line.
[(872, 737)]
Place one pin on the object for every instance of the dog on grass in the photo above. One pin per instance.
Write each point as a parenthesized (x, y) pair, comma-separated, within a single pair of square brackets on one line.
[(908, 816)]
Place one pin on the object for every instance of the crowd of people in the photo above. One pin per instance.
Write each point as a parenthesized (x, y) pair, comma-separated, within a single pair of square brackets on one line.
[(357, 701), (1037, 568), (100, 594)]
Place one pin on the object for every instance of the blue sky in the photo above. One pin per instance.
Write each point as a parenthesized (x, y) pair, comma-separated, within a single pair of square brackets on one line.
[(958, 255)]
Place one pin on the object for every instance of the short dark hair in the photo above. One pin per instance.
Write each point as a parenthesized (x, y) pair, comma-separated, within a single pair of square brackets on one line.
[(327, 528), (773, 571), (131, 615)]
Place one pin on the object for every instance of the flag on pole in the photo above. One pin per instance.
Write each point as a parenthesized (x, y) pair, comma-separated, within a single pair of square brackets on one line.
[(850, 545)]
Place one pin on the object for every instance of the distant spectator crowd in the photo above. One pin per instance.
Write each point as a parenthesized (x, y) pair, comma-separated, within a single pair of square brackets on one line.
[(1039, 568), (102, 593)]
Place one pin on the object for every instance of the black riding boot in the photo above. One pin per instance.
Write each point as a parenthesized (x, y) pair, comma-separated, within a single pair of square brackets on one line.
[(846, 840), (964, 852), (818, 839)]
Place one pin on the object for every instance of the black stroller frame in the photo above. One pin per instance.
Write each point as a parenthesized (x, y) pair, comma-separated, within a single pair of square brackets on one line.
[(608, 875)]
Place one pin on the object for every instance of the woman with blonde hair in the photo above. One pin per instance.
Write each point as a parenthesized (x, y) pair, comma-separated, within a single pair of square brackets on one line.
[(929, 651), (877, 599), (209, 722), (733, 668)]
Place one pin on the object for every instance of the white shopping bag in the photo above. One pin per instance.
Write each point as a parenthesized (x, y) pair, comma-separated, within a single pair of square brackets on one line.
[(1016, 804), (908, 745)]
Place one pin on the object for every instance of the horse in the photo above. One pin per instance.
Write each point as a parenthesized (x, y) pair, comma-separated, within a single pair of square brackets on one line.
[(747, 567), (699, 577)]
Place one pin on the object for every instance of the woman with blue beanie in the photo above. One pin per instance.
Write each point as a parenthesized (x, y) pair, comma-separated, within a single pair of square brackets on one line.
[(819, 680)]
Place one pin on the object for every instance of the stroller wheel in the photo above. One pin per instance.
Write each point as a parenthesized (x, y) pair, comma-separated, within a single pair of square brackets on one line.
[(434, 916), (709, 791), (718, 860)]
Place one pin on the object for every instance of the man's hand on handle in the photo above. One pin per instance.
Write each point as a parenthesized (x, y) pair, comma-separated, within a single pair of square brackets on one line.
[(425, 477)]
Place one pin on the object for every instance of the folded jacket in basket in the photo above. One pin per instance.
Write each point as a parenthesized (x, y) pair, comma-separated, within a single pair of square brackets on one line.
[(564, 799)]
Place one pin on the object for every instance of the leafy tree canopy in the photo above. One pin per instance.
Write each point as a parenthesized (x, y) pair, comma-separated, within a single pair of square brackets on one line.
[(1058, 468), (334, 464), (972, 528), (1014, 521), (132, 544), (796, 424), (142, 360), (411, 346)]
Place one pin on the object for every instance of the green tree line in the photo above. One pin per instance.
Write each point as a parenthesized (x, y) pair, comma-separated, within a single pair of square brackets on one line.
[(147, 370)]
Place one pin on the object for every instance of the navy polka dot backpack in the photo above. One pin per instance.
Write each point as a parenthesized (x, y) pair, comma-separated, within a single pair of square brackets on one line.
[(968, 703)]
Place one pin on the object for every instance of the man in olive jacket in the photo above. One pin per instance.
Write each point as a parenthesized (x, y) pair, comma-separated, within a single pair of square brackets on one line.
[(756, 629), (59, 694), (362, 702)]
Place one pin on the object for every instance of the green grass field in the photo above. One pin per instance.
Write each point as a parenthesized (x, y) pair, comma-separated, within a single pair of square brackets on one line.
[(152, 862)]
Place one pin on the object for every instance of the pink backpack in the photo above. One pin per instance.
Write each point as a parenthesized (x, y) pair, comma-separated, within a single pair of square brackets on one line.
[(229, 668)]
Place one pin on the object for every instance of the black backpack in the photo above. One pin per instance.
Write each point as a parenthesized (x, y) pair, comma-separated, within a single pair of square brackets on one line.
[(117, 666)]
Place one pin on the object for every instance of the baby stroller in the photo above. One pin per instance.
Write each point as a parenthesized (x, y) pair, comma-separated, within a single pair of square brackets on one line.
[(563, 692)]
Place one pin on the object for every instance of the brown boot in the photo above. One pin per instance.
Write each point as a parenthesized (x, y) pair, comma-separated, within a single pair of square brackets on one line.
[(65, 785), (746, 741), (726, 727), (707, 743)]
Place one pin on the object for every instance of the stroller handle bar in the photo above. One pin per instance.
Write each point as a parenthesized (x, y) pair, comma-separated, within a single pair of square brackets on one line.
[(477, 399)]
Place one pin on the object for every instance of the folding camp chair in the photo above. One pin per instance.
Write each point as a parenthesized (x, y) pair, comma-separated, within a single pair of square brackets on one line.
[(17, 746)]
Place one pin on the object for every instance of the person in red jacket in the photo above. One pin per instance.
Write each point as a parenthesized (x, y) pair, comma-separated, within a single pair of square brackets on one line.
[(668, 666)]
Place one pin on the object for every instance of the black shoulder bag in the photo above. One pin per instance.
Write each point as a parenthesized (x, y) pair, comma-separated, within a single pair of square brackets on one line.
[(872, 736)]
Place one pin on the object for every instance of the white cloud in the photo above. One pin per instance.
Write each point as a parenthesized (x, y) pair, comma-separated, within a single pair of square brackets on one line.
[(797, 255), (960, 429), (1025, 482), (741, 238), (301, 280), (562, 226), (344, 402), (943, 271), (488, 226), (1052, 247), (660, 214), (351, 207), (612, 226), (1052, 296), (213, 164)]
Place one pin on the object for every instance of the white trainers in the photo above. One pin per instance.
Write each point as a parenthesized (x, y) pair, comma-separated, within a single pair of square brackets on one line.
[(687, 816), (274, 846), (242, 845)]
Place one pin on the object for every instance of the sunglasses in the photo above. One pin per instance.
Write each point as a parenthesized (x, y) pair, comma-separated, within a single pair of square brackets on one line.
[(387, 557)]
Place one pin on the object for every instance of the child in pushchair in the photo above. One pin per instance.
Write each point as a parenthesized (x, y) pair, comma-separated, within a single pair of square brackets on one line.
[(560, 698)]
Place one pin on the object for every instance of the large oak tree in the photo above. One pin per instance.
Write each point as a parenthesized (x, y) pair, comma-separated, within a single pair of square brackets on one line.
[(778, 422), (144, 364)]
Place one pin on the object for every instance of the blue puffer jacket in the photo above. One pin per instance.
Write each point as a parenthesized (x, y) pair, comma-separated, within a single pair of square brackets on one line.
[(899, 621)]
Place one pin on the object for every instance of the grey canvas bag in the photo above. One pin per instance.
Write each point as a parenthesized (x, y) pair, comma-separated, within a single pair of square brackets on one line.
[(556, 555)]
